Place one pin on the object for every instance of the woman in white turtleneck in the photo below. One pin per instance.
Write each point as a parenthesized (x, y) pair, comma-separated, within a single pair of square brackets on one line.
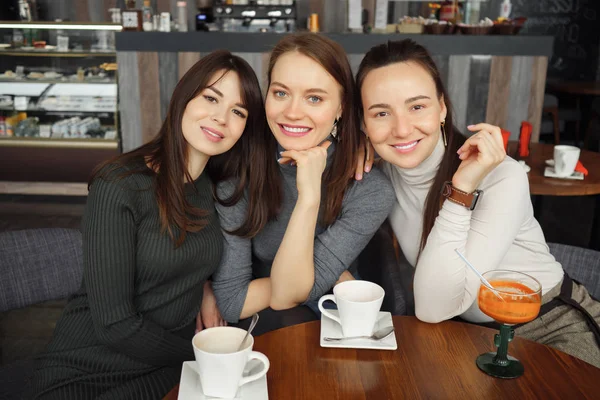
[(456, 193)]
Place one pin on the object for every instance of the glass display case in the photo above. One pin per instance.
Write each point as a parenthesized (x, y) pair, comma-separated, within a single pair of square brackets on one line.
[(58, 85), (58, 102)]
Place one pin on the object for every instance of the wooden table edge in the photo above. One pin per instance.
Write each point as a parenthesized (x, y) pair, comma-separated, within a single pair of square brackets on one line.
[(397, 319)]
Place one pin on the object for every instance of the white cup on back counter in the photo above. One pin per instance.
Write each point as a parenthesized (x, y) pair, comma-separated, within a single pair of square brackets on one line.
[(358, 305), (221, 365), (565, 159)]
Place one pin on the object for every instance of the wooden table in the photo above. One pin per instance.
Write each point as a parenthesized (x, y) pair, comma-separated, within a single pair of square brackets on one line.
[(433, 361), (540, 185)]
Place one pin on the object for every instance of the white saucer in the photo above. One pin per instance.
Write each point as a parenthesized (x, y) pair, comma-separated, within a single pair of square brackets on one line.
[(330, 328), (549, 173), (190, 388)]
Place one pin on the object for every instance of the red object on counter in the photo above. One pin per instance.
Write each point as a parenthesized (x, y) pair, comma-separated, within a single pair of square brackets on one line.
[(580, 168), (524, 138), (505, 138)]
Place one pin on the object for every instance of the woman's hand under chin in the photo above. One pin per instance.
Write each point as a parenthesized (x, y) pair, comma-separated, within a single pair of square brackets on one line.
[(480, 154), (310, 165)]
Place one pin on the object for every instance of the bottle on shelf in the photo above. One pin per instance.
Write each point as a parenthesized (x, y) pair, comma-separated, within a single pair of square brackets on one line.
[(147, 16), (182, 16), (505, 9)]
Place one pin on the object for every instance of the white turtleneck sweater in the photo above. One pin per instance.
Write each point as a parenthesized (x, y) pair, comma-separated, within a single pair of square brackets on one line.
[(501, 233)]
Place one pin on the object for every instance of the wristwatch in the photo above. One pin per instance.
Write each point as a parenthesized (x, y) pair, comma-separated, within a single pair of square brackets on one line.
[(457, 196)]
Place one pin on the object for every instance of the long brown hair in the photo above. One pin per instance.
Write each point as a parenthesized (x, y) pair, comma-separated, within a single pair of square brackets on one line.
[(167, 153), (332, 57), (409, 51)]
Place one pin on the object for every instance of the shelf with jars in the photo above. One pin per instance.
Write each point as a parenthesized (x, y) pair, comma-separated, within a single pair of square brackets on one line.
[(58, 94)]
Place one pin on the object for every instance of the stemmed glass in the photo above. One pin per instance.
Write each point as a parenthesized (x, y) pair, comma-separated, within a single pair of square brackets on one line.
[(520, 302)]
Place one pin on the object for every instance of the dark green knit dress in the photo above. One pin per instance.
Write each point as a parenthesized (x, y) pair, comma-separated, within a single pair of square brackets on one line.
[(128, 330)]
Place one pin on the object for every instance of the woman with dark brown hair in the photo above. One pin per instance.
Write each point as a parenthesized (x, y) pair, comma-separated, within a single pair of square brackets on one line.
[(324, 218), (151, 239), (457, 193)]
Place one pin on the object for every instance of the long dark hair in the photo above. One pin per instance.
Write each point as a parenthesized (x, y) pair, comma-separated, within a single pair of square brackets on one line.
[(331, 56), (409, 51), (167, 153)]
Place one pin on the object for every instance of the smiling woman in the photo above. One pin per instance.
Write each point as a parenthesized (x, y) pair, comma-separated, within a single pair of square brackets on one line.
[(324, 218), (458, 193), (151, 239)]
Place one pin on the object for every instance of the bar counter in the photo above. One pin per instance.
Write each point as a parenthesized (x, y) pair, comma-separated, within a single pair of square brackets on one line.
[(497, 79)]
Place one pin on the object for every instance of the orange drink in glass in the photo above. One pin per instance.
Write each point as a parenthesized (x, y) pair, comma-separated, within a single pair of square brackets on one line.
[(517, 300)]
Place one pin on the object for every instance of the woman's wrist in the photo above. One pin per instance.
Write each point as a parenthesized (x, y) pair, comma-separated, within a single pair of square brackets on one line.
[(463, 186), (308, 202)]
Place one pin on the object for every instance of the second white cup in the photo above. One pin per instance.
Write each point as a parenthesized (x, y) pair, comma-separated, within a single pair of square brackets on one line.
[(565, 159), (358, 304)]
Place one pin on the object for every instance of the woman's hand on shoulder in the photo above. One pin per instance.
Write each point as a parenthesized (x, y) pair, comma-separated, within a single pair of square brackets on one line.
[(209, 315), (365, 158), (480, 154), (310, 165)]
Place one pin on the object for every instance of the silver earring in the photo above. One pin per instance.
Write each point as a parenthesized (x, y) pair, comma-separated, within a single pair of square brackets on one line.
[(334, 129)]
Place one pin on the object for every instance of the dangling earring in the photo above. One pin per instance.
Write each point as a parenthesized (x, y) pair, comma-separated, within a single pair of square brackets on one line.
[(444, 134), (334, 129)]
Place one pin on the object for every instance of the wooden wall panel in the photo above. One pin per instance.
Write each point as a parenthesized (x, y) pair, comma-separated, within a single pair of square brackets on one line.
[(443, 65), (149, 94), (499, 90), (479, 78), (129, 100), (168, 71), (263, 79), (185, 62), (458, 72), (518, 100), (355, 60), (536, 95)]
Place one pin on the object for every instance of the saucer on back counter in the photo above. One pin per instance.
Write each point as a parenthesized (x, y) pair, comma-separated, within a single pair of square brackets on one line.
[(330, 328)]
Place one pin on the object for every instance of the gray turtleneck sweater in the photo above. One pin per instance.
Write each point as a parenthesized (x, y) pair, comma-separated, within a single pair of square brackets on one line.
[(501, 233), (366, 205)]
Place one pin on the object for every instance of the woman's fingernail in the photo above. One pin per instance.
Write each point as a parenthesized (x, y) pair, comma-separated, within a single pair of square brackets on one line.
[(281, 152), (470, 126), (368, 168), (358, 177), (279, 160)]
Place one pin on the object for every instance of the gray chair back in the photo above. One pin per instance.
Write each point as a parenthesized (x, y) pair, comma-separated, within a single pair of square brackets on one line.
[(582, 265), (38, 265)]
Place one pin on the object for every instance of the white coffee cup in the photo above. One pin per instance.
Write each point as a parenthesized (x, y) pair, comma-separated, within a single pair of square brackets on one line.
[(565, 159), (358, 305), (220, 364)]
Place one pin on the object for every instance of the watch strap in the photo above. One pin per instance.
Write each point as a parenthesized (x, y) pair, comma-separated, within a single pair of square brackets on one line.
[(468, 200)]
